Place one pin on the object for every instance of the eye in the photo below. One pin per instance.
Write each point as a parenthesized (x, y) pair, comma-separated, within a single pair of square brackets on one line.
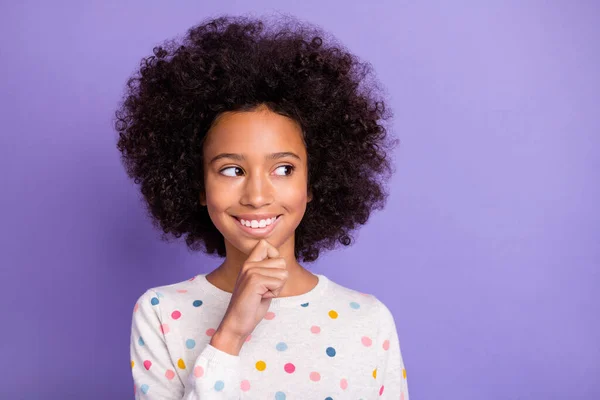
[(291, 170), (291, 167), (234, 168)]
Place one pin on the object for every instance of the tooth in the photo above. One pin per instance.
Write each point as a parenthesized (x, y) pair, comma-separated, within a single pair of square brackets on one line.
[(258, 224)]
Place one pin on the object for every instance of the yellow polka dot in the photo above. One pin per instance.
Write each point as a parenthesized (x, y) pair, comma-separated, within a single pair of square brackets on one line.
[(404, 372), (261, 365), (181, 363), (333, 314), (132, 363), (375, 373)]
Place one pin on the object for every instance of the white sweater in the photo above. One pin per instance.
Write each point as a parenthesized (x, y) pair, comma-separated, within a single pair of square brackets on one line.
[(331, 343)]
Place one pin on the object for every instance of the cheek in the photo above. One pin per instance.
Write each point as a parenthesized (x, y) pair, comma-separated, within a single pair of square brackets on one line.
[(292, 194), (217, 195), (217, 206), (295, 201)]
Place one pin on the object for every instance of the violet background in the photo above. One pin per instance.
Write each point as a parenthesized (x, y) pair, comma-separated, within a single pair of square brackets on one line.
[(487, 252)]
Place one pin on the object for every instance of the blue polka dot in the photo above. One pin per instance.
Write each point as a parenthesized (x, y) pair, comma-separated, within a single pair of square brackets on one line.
[(281, 346), (190, 343), (330, 351), (279, 396), (219, 385), (197, 303), (328, 398), (154, 301), (141, 341), (160, 295), (145, 388), (304, 305), (355, 305)]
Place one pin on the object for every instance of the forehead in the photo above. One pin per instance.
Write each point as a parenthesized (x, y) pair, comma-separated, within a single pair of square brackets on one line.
[(254, 131)]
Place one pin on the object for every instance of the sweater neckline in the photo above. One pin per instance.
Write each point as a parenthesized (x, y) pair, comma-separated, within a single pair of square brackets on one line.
[(300, 300)]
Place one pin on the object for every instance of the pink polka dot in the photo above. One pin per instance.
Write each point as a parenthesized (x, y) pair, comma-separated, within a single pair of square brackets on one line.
[(175, 314), (386, 344), (270, 315), (136, 307), (289, 368), (366, 341), (315, 376), (248, 338), (170, 374), (164, 328), (210, 332), (381, 390), (344, 384), (315, 329), (245, 385), (402, 396), (192, 278), (198, 372), (147, 364), (181, 290)]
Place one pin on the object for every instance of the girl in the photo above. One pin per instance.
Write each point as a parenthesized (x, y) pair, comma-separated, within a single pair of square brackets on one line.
[(259, 145)]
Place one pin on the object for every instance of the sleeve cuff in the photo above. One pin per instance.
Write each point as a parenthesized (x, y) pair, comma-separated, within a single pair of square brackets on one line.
[(219, 357)]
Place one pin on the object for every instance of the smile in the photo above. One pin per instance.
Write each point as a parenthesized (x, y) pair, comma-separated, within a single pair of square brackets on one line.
[(257, 231)]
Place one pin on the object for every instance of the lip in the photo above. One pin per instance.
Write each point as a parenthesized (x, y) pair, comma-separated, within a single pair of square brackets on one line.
[(257, 231)]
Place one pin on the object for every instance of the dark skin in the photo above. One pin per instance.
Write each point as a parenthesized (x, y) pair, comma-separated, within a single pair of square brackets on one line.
[(256, 185)]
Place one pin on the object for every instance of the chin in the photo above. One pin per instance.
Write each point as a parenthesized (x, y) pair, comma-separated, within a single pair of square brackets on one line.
[(245, 245)]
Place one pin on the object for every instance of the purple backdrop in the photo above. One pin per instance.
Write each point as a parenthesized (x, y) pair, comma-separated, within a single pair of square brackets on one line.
[(487, 252)]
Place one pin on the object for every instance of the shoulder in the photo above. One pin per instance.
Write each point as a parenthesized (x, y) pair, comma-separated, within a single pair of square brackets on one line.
[(170, 294), (365, 306)]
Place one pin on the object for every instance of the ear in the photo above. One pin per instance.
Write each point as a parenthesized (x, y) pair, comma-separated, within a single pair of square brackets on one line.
[(203, 198), (310, 195)]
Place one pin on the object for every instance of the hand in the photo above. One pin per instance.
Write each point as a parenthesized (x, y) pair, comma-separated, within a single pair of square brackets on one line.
[(261, 278)]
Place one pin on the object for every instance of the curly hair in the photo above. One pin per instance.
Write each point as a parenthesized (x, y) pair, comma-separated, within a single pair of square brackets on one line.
[(238, 64)]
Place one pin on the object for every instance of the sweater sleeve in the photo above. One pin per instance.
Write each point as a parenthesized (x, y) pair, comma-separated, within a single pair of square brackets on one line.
[(214, 375), (391, 372)]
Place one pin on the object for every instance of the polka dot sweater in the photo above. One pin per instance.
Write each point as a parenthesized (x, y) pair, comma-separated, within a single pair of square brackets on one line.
[(330, 343)]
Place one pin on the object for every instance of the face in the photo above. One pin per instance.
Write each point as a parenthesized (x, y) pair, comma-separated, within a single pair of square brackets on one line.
[(242, 176)]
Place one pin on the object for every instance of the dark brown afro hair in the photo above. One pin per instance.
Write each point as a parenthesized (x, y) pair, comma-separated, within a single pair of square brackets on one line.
[(236, 64)]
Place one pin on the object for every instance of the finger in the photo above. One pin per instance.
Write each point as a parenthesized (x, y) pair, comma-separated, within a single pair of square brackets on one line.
[(259, 252), (270, 284), (272, 251), (262, 250), (273, 263), (271, 272)]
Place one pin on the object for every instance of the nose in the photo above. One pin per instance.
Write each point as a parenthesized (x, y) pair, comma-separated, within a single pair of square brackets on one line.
[(258, 190)]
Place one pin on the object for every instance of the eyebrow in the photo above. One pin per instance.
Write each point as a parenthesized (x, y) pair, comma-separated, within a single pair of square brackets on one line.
[(240, 157)]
